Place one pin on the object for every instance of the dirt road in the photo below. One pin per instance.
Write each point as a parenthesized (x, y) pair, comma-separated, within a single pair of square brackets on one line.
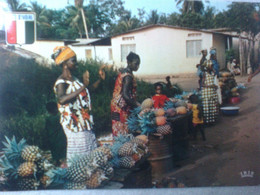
[(231, 154)]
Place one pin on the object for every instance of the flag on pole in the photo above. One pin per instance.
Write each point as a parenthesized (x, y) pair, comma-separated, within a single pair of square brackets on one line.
[(20, 28)]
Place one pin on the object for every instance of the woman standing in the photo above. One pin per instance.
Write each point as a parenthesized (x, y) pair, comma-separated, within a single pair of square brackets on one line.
[(201, 65), (74, 104), (124, 95), (209, 95)]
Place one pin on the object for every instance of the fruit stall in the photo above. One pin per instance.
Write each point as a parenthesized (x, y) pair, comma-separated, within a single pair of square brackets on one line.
[(167, 130)]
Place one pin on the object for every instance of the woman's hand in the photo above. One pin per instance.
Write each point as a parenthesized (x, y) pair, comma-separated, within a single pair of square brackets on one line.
[(102, 73), (86, 78)]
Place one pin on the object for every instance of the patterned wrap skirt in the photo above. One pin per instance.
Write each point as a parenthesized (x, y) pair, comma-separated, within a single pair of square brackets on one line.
[(210, 105), (79, 143)]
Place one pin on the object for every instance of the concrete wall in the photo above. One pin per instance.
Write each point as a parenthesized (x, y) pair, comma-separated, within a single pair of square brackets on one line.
[(162, 50), (100, 53), (43, 48)]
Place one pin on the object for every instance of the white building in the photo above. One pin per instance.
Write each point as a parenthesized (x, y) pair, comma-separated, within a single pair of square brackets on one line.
[(167, 49)]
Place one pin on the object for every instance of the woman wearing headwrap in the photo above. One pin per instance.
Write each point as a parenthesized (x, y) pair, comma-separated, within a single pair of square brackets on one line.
[(124, 95), (201, 66), (74, 104), (213, 58), (209, 95)]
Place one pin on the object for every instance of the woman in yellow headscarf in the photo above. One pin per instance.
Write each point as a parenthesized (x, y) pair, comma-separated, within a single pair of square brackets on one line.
[(74, 104)]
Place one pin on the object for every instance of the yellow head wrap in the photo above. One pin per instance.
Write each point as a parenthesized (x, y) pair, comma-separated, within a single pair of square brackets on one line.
[(62, 53)]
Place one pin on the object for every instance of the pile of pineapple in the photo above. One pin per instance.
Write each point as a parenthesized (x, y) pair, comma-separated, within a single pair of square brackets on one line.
[(128, 150), (85, 172), (27, 167), (24, 166), (146, 119)]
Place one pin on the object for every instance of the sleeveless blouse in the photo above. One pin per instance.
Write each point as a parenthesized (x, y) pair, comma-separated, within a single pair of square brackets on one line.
[(76, 115)]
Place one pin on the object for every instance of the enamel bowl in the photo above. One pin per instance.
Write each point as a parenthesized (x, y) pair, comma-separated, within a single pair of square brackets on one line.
[(230, 110)]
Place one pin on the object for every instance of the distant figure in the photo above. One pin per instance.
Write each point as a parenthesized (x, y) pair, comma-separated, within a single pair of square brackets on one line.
[(213, 58), (168, 82), (201, 66), (235, 67), (197, 116), (159, 98)]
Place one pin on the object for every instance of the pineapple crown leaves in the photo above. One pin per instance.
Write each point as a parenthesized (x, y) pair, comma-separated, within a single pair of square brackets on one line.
[(133, 123), (75, 159), (57, 176), (115, 161), (135, 111), (168, 105), (13, 149), (123, 138), (9, 170), (147, 123)]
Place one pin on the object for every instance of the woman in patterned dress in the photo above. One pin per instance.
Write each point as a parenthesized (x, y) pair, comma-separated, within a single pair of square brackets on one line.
[(74, 104), (209, 95), (124, 95)]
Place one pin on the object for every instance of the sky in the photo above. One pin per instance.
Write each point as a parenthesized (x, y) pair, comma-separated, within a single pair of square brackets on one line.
[(162, 6)]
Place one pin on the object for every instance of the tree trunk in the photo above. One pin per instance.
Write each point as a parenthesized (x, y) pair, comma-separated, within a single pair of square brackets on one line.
[(84, 22), (249, 67), (241, 55)]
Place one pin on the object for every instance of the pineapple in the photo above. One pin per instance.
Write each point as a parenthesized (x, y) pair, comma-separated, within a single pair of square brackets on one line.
[(127, 162), (127, 149), (107, 151), (27, 169), (45, 181), (99, 159), (27, 183), (96, 179), (79, 172), (75, 185), (108, 170), (43, 165), (144, 138), (147, 103), (31, 153), (164, 129), (140, 143)]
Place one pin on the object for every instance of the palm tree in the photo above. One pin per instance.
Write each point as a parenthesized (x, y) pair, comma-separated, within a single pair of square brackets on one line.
[(194, 6), (153, 18), (15, 5), (79, 5), (41, 16), (74, 18)]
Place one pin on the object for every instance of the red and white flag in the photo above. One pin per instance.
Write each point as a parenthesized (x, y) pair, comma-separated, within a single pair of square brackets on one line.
[(20, 28)]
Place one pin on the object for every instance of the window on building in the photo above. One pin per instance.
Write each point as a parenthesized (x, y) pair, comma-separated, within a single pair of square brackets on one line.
[(193, 48), (110, 54), (125, 50), (89, 54)]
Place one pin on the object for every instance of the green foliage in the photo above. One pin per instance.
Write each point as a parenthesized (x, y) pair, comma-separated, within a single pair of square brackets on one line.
[(230, 55)]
